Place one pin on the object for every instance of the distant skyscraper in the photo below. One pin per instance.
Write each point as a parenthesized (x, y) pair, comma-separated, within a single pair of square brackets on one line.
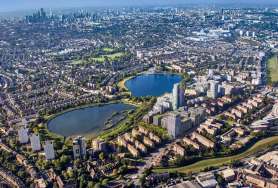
[(241, 33), (35, 142), (49, 150), (23, 135), (79, 147), (247, 33), (177, 97)]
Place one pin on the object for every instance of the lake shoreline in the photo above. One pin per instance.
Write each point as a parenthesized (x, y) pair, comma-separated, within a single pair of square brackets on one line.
[(52, 128), (148, 83), (122, 84)]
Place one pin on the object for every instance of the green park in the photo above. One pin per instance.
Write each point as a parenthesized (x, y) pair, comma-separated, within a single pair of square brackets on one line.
[(100, 56), (272, 65)]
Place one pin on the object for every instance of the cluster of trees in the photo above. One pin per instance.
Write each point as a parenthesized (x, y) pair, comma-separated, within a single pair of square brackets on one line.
[(9, 162), (157, 130)]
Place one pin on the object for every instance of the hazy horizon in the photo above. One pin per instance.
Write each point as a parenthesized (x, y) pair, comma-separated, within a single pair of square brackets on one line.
[(18, 5)]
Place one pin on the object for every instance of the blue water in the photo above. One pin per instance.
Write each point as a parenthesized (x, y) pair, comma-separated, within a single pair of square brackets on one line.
[(152, 84), (85, 121)]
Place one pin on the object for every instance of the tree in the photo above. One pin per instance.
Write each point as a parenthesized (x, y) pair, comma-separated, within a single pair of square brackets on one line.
[(21, 173), (82, 181), (41, 163), (179, 160), (236, 164), (90, 184), (56, 164), (76, 163), (70, 173), (101, 156), (220, 180), (122, 169), (64, 159), (104, 182)]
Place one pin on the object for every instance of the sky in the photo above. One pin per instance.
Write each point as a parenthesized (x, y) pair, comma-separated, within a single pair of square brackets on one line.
[(15, 5)]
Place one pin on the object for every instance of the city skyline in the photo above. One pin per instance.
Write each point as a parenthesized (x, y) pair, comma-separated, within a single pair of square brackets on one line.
[(17, 5)]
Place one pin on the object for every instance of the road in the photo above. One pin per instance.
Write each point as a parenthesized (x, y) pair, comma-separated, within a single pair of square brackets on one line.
[(148, 164)]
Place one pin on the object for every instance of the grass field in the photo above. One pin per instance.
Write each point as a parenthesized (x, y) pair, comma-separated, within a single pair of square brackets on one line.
[(273, 69), (109, 55), (108, 50), (217, 162)]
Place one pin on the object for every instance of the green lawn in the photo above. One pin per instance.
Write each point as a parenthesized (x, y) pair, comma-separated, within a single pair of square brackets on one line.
[(101, 58), (158, 130), (216, 162), (110, 57), (108, 50), (273, 69)]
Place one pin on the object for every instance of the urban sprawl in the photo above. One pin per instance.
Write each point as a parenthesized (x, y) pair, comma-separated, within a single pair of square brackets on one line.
[(217, 128)]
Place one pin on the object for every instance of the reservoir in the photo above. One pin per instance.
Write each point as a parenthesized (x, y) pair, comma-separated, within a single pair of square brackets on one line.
[(152, 84), (86, 121)]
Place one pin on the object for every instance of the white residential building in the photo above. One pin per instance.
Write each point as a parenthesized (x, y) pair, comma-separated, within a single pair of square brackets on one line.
[(49, 150), (35, 142), (23, 135)]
